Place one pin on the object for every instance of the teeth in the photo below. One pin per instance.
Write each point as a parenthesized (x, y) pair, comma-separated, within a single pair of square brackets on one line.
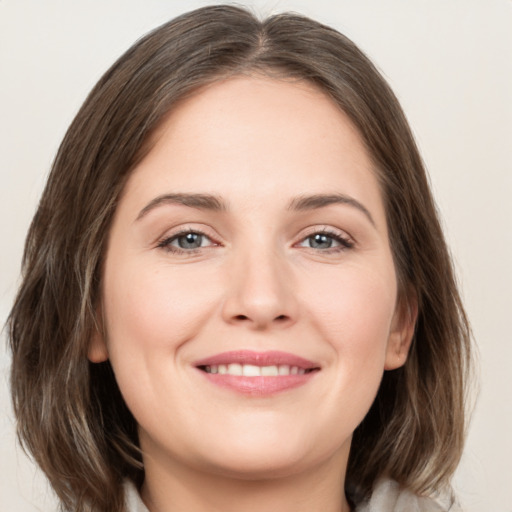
[(269, 371), (235, 369), (284, 370), (250, 370)]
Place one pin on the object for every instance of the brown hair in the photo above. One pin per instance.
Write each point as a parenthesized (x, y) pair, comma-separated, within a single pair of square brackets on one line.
[(70, 413)]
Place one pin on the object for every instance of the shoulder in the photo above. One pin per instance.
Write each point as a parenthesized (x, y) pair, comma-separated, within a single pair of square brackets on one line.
[(388, 496)]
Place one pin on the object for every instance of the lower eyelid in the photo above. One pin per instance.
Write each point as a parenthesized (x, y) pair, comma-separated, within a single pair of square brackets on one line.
[(341, 245)]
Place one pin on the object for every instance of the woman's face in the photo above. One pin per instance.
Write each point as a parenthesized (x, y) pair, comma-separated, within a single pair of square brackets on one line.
[(249, 292)]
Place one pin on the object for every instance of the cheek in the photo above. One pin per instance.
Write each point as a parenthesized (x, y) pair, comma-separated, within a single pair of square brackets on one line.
[(354, 311), (150, 310)]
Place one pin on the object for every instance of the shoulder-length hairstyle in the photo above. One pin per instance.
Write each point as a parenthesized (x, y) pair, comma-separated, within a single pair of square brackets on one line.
[(71, 416)]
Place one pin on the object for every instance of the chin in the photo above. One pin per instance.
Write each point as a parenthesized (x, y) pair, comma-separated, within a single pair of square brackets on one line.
[(260, 458), (253, 467)]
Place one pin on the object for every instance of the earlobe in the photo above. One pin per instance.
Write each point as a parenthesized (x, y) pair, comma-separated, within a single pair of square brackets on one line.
[(402, 332), (97, 351)]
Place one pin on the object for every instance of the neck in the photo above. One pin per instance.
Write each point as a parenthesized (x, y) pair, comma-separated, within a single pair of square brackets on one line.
[(317, 489)]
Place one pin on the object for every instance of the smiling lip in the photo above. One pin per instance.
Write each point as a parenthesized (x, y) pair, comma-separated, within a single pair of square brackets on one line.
[(302, 370)]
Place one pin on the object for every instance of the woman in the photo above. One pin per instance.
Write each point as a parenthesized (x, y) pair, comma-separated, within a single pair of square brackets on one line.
[(236, 292)]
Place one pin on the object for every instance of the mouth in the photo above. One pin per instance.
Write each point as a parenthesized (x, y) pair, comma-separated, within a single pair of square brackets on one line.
[(257, 373), (250, 370)]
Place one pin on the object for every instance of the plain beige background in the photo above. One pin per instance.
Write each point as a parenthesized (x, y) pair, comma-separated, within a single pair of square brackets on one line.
[(449, 62)]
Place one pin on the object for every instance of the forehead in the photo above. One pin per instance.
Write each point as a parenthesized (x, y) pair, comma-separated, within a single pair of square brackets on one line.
[(248, 136)]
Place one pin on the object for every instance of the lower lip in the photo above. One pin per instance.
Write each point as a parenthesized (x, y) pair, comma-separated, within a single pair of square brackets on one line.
[(258, 386)]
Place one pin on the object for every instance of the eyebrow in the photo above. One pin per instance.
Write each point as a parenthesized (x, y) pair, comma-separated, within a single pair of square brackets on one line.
[(215, 203), (198, 201), (316, 201)]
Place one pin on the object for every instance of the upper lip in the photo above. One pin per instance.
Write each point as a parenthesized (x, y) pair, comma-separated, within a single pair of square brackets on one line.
[(267, 358)]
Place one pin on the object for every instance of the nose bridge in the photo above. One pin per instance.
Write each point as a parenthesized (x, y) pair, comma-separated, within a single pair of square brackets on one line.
[(260, 287)]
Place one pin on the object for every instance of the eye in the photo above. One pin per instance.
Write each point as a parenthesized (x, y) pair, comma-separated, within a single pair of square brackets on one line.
[(186, 241), (327, 241)]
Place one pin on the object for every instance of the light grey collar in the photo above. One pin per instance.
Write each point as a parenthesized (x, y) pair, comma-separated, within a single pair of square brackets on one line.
[(132, 498), (386, 497)]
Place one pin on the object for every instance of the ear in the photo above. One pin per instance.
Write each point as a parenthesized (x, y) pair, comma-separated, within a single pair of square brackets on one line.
[(402, 332), (97, 351)]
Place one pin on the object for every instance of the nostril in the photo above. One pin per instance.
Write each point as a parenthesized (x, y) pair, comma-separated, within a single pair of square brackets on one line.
[(261, 320)]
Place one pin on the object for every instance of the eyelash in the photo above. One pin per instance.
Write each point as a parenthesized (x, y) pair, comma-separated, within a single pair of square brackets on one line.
[(344, 242)]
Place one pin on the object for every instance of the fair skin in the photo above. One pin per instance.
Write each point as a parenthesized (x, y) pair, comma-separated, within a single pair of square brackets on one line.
[(254, 225)]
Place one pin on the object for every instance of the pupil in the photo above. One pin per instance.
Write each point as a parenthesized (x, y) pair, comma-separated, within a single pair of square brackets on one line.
[(190, 241), (321, 241)]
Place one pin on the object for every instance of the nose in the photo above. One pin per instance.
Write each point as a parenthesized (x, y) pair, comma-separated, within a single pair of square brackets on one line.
[(260, 293)]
